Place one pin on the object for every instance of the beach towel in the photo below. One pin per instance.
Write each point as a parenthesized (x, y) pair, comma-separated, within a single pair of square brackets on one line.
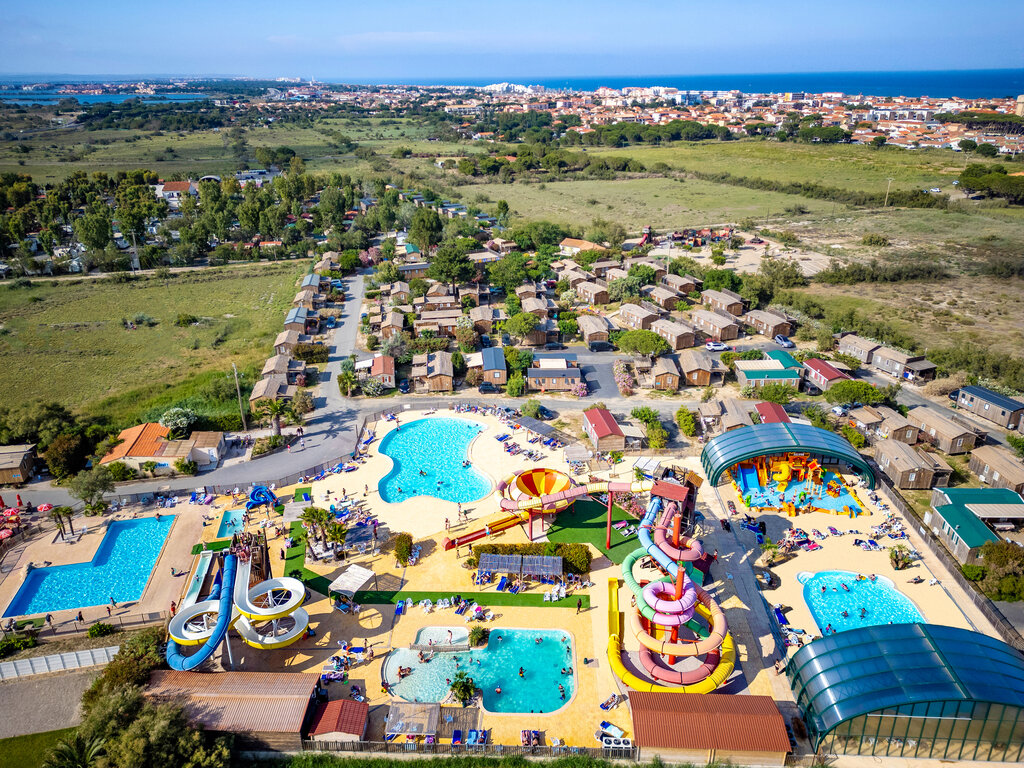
[(456, 736)]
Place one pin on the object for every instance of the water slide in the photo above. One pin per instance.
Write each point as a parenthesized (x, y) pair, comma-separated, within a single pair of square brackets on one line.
[(571, 494), (191, 624), (479, 533), (269, 600), (662, 610), (782, 474), (748, 479), (259, 496)]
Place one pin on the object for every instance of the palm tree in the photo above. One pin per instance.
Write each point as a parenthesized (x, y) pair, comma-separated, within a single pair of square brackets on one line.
[(75, 752), (347, 382), (318, 520), (275, 409), (68, 513), (58, 517), (770, 550), (336, 533)]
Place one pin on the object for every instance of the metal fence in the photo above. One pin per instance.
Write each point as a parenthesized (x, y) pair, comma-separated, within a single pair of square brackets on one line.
[(127, 621), (58, 662), (1009, 633), (492, 750)]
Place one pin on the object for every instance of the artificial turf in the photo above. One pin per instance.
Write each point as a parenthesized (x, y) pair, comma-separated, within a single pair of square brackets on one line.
[(300, 492), (584, 523), (295, 560), (212, 546)]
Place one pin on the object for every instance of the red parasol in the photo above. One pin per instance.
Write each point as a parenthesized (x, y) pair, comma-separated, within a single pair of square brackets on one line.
[(1, 501), (6, 533), (45, 507), (11, 511)]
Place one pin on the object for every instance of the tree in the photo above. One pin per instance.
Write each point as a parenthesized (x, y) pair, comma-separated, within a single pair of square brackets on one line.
[(878, 141), (462, 688), (76, 751), (425, 229), (516, 385), (89, 485), (509, 272), (386, 273), (987, 150), (645, 274), (94, 230), (853, 391), (642, 342), (66, 455), (721, 279), (567, 325), (451, 265), (531, 408), (855, 438), (318, 521), (518, 359), (347, 382), (770, 550), (610, 232), (967, 145), (777, 392), (178, 420), (57, 515), (1016, 442), (622, 288), (521, 325), (275, 409)]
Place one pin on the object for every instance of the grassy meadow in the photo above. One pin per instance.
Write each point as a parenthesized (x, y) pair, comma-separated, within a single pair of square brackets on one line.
[(65, 339)]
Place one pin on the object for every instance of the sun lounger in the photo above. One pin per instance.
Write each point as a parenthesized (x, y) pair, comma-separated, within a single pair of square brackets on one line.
[(461, 609), (472, 737), (503, 583), (614, 730), (812, 546), (834, 531), (400, 608), (524, 737), (610, 702), (193, 497), (780, 617), (456, 736)]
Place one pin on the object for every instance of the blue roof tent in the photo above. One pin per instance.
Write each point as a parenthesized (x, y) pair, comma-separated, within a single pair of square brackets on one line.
[(899, 673), (730, 448)]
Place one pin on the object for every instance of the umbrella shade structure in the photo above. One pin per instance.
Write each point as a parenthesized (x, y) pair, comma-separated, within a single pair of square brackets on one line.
[(542, 565), (351, 581), (11, 511), (45, 507), (6, 533)]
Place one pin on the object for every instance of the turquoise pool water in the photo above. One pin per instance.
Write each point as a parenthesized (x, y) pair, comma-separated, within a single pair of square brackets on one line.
[(882, 601), (437, 447), (120, 569), (770, 497), (230, 523), (497, 664)]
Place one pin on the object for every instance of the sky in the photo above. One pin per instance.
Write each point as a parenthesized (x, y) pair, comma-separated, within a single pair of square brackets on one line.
[(391, 40)]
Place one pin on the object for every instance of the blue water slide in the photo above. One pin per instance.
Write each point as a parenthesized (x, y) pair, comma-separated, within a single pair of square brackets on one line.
[(175, 659), (261, 495), (650, 519)]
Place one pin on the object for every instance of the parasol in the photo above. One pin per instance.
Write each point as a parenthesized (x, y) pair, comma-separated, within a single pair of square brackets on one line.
[(6, 533), (11, 511), (45, 507)]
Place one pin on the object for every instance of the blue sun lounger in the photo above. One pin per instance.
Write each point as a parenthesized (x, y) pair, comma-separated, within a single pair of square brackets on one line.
[(456, 736), (400, 608), (780, 617), (503, 583)]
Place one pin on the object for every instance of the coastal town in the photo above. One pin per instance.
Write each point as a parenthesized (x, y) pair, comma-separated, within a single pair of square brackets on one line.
[(350, 419)]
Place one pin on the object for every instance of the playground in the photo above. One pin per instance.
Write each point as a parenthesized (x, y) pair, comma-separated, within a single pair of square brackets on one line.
[(794, 483)]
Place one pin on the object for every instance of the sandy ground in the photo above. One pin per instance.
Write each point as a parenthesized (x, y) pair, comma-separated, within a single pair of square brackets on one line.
[(42, 702)]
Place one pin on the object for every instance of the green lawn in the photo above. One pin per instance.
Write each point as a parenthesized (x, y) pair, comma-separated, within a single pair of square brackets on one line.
[(585, 522), (64, 340), (30, 751), (295, 560)]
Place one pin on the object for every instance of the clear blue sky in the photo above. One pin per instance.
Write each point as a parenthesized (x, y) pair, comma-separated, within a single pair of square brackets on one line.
[(395, 39)]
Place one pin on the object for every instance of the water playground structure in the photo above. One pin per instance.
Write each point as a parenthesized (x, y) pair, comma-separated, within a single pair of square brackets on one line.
[(539, 493), (266, 612), (259, 496), (674, 618), (789, 468)]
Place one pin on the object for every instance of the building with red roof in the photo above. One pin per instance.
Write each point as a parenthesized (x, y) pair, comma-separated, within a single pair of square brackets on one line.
[(823, 374), (383, 367), (772, 413), (600, 426)]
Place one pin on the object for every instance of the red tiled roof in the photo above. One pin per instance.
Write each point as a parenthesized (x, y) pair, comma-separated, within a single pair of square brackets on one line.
[(141, 440), (772, 413), (383, 366), (341, 716), (824, 369), (714, 721), (177, 186), (602, 422)]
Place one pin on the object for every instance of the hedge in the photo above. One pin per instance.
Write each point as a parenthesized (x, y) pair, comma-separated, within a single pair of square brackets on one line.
[(575, 557)]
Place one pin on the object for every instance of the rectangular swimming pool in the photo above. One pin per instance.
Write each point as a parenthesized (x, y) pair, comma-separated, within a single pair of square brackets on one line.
[(230, 523), (120, 570)]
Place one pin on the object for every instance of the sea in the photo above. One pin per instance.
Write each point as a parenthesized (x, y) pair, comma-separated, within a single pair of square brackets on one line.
[(967, 84), (52, 97)]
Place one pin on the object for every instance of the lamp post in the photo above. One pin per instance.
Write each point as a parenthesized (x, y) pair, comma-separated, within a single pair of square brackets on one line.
[(887, 186)]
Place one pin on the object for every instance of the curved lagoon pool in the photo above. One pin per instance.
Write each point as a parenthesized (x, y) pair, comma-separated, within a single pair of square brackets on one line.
[(496, 664), (882, 602), (437, 447)]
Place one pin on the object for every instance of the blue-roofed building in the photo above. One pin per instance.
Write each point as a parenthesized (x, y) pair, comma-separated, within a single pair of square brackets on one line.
[(494, 369), (301, 320), (912, 691), (1005, 411)]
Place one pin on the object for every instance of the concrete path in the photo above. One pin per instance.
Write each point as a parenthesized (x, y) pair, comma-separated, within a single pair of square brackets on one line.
[(42, 703)]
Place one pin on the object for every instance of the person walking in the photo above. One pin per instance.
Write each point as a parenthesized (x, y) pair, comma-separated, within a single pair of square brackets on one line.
[(447, 525), (174, 607), (579, 604)]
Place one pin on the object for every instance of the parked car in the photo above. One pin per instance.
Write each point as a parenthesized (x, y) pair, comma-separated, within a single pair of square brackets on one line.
[(403, 386), (784, 342), (545, 414), (331, 321), (840, 410), (811, 390), (506, 340), (485, 341), (716, 346), (487, 389), (554, 346), (601, 346)]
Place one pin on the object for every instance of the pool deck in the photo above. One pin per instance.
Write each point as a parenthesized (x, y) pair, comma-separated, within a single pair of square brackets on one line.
[(161, 588)]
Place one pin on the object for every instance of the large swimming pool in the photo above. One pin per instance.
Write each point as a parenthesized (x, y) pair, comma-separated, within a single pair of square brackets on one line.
[(881, 601), (119, 569), (437, 448), (495, 665)]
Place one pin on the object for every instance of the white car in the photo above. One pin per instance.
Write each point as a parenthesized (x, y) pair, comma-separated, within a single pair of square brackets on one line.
[(936, 190), (716, 346)]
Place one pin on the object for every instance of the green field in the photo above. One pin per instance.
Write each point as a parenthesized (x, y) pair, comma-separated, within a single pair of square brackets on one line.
[(849, 166), (30, 751), (660, 202), (584, 523), (64, 340)]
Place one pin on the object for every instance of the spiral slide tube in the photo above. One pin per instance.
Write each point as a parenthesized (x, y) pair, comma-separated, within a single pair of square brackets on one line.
[(209, 641), (661, 610)]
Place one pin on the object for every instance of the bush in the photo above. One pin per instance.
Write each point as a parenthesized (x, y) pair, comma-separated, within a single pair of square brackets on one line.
[(310, 353), (372, 342), (138, 656), (372, 386), (531, 408), (121, 471), (403, 547), (186, 467), (101, 629), (873, 238), (856, 438), (575, 557), (184, 320), (657, 437), (516, 385), (687, 421), (973, 572), (264, 445), (478, 634), (11, 645)]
